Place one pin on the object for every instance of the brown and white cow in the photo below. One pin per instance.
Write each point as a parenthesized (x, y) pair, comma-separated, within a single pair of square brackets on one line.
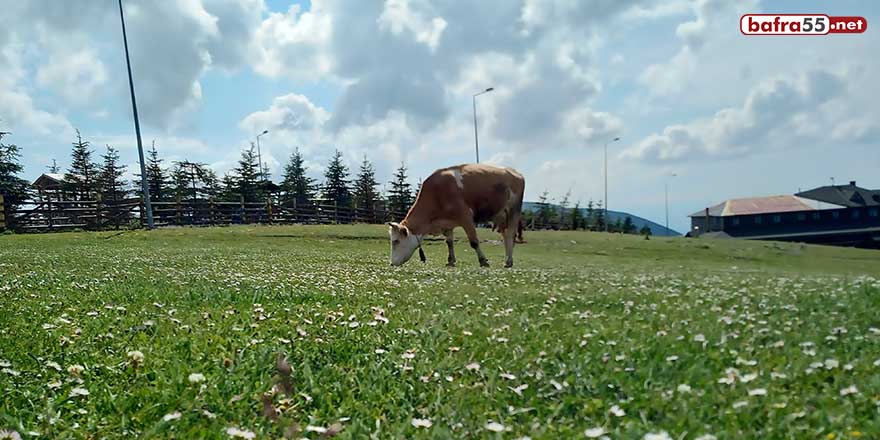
[(463, 195)]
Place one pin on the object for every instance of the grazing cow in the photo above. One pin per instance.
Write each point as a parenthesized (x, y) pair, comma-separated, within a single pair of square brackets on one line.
[(463, 195)]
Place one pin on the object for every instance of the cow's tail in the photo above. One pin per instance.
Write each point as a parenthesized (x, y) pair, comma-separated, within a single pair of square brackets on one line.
[(512, 210)]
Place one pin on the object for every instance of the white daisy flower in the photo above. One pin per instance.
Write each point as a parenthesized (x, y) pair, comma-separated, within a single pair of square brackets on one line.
[(595, 432), (78, 392), (135, 356), (196, 378), (171, 416), (421, 423), (849, 390), (494, 427), (240, 433)]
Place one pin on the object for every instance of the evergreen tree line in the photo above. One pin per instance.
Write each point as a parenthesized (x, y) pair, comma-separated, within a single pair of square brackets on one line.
[(561, 216), (181, 181)]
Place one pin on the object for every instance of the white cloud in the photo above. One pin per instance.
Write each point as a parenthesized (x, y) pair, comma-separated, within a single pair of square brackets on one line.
[(173, 43), (398, 16), (670, 79), (78, 76), (776, 114), (19, 112), (295, 43)]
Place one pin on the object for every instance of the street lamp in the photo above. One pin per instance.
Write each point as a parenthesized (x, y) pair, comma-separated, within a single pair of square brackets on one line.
[(666, 196), (476, 140), (260, 155), (137, 126), (606, 180)]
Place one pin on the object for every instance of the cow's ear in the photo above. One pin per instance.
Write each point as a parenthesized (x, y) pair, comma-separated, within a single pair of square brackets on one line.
[(394, 225)]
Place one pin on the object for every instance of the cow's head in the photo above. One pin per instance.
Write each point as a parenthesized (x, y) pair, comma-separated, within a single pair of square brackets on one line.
[(403, 243)]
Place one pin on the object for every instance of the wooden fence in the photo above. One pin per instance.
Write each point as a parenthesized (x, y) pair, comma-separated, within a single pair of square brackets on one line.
[(2, 214), (92, 214), (59, 215)]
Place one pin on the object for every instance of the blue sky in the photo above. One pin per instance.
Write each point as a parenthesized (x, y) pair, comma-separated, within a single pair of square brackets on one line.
[(730, 115)]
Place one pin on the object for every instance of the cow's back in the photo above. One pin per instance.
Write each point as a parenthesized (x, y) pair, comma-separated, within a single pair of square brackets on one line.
[(487, 190)]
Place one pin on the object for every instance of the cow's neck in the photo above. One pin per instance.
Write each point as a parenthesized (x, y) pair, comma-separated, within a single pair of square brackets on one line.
[(417, 221)]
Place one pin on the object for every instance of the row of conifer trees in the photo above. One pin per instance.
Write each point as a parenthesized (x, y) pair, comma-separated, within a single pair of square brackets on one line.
[(88, 179)]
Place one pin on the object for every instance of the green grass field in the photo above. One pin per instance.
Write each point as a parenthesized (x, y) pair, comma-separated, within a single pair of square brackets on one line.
[(177, 333)]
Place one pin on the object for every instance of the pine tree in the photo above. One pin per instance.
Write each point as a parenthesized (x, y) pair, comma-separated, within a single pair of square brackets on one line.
[(590, 218), (599, 216), (577, 216), (563, 208), (229, 185), (297, 187), (646, 231), (628, 227), (113, 187), (248, 176), (211, 185), (400, 197), (545, 210), (193, 180), (13, 188), (336, 183), (617, 226), (365, 189), (54, 169), (157, 177), (179, 181), (82, 176)]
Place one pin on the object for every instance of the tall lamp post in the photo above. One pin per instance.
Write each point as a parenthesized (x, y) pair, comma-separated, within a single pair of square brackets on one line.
[(476, 139), (137, 126), (606, 181), (260, 156), (666, 197)]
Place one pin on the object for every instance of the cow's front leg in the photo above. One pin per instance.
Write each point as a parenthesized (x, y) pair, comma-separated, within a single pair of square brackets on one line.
[(471, 230), (450, 261)]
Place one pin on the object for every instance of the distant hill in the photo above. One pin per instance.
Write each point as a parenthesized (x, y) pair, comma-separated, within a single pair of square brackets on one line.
[(656, 229)]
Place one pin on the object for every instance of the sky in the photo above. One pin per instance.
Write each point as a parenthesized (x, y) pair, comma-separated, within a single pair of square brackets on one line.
[(699, 108)]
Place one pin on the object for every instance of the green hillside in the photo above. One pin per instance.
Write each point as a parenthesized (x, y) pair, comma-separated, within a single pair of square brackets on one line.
[(178, 333)]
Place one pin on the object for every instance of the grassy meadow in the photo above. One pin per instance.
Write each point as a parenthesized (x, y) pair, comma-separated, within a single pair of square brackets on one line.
[(307, 332)]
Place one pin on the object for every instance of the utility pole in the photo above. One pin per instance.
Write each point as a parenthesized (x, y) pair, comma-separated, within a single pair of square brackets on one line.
[(606, 181), (260, 156), (476, 139), (666, 196), (148, 207)]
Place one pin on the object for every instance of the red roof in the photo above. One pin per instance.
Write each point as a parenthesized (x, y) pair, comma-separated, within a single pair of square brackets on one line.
[(756, 205)]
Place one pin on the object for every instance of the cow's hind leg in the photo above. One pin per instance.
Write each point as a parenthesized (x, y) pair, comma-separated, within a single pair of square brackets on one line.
[(509, 234), (471, 230), (450, 261)]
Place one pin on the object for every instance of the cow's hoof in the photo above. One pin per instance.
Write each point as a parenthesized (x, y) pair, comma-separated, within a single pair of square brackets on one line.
[(484, 263), (508, 264), (450, 264)]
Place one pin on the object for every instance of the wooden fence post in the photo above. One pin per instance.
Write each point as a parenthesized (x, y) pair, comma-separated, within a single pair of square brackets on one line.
[(243, 210), (99, 208), (2, 213), (269, 209), (179, 212), (49, 207), (211, 216)]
